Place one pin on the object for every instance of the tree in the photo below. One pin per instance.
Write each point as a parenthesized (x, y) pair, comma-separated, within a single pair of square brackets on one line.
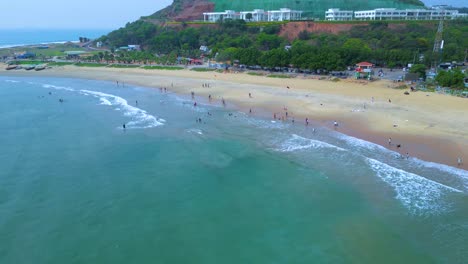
[(248, 16), (420, 69), (451, 78)]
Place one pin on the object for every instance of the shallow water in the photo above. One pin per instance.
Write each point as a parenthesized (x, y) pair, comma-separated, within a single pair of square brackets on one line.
[(75, 187)]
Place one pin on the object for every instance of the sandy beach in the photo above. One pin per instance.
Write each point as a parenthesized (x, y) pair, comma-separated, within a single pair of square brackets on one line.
[(426, 125)]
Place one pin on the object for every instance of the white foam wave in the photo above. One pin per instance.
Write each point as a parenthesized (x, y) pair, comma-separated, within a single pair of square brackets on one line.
[(360, 143), (50, 86), (12, 81), (445, 168), (140, 118), (195, 131), (104, 101), (418, 194), (296, 142)]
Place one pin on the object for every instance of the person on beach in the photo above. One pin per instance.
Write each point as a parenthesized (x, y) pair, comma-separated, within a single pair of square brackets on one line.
[(372, 99), (407, 155), (193, 94), (195, 104), (136, 102), (313, 130), (292, 120), (389, 141), (307, 121), (274, 116), (117, 83), (223, 102), (250, 95), (335, 124), (459, 161), (250, 110), (389, 100)]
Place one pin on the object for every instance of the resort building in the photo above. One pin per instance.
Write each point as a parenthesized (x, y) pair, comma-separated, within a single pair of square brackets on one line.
[(335, 14), (219, 16), (257, 15), (407, 14), (284, 14)]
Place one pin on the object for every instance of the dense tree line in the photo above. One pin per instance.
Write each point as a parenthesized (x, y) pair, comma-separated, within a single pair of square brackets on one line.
[(382, 43)]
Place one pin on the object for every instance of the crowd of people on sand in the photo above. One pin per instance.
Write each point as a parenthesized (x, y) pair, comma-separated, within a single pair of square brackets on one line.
[(284, 115)]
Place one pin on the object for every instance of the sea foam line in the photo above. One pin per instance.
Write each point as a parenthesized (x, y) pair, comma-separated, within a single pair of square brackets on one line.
[(141, 119), (296, 142), (418, 194)]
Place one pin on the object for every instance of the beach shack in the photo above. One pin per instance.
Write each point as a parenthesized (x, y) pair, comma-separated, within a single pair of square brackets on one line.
[(364, 70)]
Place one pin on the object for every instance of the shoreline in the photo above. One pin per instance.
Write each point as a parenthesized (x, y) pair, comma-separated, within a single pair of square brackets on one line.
[(429, 126)]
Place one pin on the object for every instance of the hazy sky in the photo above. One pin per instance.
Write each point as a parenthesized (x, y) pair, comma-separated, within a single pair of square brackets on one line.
[(81, 14), (98, 14)]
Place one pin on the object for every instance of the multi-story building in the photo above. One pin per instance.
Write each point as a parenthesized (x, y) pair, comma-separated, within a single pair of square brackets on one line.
[(335, 14), (257, 15), (284, 14), (218, 16), (407, 14)]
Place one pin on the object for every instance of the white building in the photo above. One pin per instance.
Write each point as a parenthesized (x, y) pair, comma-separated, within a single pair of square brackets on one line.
[(257, 15), (217, 16), (284, 14), (407, 14), (335, 14)]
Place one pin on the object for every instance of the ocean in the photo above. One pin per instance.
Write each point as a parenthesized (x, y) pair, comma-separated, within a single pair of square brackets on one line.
[(76, 187), (20, 37)]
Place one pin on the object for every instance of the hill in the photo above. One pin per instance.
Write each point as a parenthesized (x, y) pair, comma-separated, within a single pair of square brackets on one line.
[(184, 10)]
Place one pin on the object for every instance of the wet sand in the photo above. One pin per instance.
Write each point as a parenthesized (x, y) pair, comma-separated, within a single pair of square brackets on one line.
[(429, 126)]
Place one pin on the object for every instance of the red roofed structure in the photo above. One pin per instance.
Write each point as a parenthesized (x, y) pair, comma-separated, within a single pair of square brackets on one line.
[(363, 66), (364, 70)]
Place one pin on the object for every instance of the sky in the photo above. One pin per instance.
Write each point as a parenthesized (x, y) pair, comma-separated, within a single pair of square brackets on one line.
[(81, 14), (94, 14)]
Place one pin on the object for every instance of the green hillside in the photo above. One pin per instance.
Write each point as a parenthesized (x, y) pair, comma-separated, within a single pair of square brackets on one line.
[(313, 8)]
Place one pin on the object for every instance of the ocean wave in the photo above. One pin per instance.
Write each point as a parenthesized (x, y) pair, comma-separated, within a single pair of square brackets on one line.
[(50, 86), (195, 131), (360, 143), (140, 118), (12, 81), (413, 162), (296, 142), (418, 194), (104, 101)]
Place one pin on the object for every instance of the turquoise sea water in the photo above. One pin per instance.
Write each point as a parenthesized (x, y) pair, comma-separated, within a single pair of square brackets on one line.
[(75, 187)]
